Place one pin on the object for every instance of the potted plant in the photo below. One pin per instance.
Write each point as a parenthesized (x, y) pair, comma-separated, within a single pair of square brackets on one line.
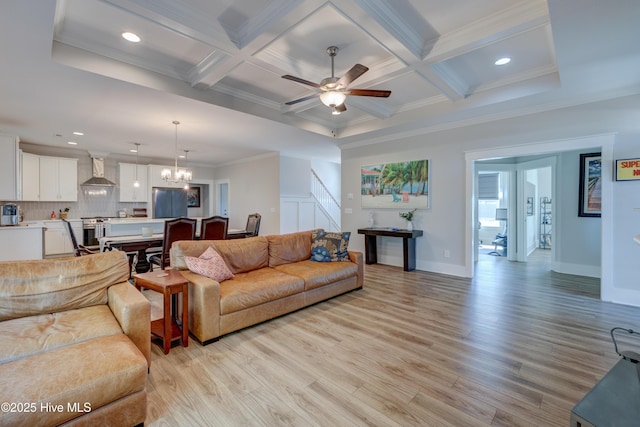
[(408, 216)]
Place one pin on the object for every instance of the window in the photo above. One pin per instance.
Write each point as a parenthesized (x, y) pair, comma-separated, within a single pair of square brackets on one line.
[(487, 213), (489, 196), (489, 186)]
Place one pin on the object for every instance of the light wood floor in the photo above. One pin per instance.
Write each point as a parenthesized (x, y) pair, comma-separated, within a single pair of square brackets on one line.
[(518, 345)]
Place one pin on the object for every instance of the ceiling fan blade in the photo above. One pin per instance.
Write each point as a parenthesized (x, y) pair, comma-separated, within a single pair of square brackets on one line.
[(299, 80), (355, 72), (301, 99), (369, 92), (341, 108)]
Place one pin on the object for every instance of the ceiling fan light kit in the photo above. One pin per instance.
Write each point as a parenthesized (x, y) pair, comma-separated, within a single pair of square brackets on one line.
[(332, 98), (334, 90)]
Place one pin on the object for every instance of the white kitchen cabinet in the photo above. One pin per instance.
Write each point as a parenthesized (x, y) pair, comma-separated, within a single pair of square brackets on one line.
[(21, 242), (129, 193), (30, 177), (9, 167), (57, 241), (58, 179)]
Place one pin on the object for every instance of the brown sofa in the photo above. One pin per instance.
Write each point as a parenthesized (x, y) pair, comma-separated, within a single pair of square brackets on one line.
[(273, 276), (74, 343)]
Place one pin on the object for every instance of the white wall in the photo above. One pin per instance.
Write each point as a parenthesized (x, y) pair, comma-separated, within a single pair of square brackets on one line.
[(445, 222), (626, 224), (295, 177), (578, 239), (254, 186), (329, 173)]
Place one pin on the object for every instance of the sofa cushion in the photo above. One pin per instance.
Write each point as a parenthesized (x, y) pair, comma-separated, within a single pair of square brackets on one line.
[(316, 274), (242, 255), (288, 248), (329, 246), (36, 334), (183, 248), (95, 372), (35, 287), (257, 287), (209, 264)]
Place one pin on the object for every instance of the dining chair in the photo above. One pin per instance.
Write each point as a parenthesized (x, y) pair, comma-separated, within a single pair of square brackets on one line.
[(78, 249), (174, 230), (253, 225), (214, 228)]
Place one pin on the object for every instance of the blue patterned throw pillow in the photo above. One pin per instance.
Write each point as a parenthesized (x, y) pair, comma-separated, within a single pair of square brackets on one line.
[(328, 246)]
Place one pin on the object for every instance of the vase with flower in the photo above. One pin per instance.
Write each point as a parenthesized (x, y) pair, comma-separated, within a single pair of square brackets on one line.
[(408, 216)]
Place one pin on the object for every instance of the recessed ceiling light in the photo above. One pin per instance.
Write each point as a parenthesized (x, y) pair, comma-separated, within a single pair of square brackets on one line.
[(78, 133), (72, 143), (503, 61), (133, 38)]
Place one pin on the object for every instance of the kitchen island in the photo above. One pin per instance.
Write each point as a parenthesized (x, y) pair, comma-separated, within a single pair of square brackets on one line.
[(22, 242), (133, 226)]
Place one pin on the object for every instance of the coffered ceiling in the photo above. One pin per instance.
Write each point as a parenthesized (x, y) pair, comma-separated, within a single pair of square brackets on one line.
[(217, 66)]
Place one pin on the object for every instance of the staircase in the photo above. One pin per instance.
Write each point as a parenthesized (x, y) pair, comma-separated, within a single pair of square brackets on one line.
[(327, 204)]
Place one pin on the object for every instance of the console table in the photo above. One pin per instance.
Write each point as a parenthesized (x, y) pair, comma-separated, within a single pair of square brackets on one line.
[(408, 244)]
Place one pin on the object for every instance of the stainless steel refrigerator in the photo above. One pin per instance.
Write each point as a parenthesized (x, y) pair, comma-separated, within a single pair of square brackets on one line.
[(169, 202)]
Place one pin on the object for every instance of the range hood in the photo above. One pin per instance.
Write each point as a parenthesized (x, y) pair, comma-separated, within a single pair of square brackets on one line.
[(98, 179)]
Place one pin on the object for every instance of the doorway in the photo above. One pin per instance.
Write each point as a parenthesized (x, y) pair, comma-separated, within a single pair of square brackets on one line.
[(536, 190), (510, 222), (222, 197), (603, 143), (537, 215)]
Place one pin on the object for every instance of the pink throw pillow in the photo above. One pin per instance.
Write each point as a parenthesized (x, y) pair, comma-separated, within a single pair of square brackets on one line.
[(209, 264)]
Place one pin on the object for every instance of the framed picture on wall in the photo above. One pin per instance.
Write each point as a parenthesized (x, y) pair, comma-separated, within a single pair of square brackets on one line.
[(530, 208), (193, 197), (396, 185), (627, 169), (590, 193)]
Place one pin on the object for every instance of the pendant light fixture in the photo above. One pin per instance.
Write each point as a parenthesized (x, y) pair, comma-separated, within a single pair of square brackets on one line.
[(136, 183), (177, 175), (187, 170)]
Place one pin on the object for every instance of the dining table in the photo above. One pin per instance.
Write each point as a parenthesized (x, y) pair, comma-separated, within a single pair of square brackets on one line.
[(138, 244), (133, 245)]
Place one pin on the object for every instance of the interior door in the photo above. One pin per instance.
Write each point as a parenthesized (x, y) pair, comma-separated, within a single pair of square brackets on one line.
[(222, 205), (535, 180)]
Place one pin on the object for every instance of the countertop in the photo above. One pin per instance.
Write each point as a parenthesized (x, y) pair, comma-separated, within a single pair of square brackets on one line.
[(23, 226), (44, 222)]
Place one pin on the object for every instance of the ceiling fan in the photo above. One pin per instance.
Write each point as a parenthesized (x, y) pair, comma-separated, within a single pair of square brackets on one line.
[(334, 90)]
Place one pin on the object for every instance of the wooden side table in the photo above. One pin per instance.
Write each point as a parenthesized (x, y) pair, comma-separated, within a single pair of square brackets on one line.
[(170, 283)]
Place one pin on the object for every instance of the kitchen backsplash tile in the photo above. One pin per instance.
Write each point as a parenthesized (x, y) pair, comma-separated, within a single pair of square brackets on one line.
[(90, 206)]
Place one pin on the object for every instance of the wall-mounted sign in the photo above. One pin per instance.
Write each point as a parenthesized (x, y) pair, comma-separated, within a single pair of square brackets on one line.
[(627, 169)]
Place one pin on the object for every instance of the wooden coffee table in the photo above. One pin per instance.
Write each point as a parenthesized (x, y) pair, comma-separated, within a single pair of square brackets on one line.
[(170, 283)]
